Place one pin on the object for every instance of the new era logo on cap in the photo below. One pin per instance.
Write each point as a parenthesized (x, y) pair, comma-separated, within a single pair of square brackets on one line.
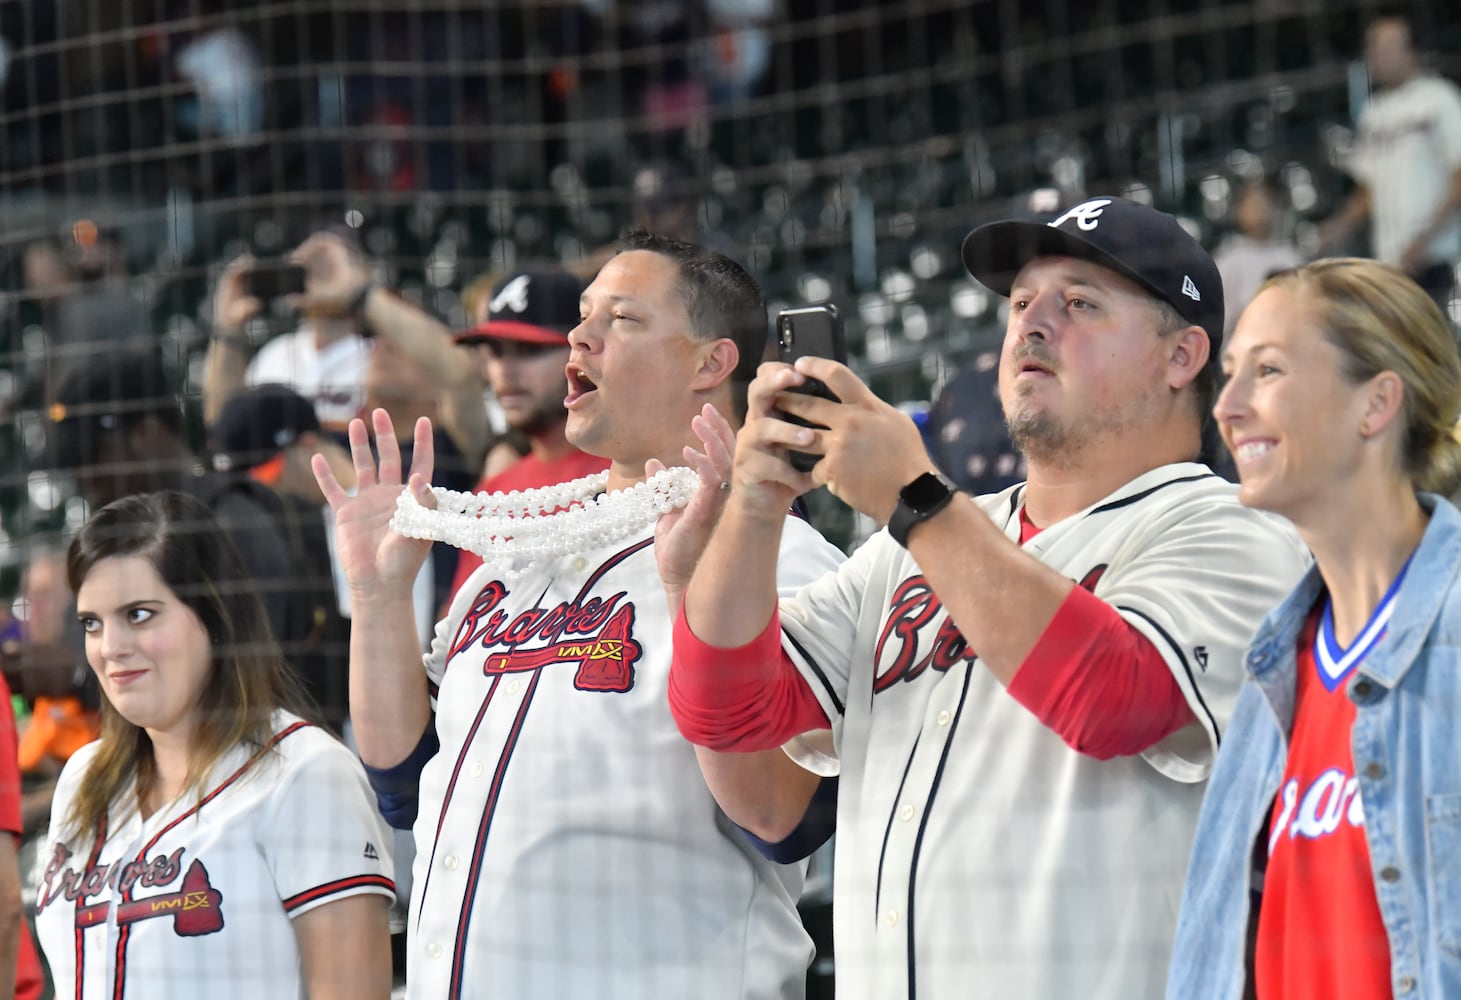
[(534, 307), (1136, 241)]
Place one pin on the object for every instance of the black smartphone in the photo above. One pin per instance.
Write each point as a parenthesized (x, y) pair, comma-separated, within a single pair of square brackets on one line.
[(274, 279), (810, 331)]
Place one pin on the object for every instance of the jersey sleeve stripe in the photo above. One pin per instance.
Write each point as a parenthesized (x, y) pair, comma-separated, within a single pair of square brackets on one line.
[(339, 886), (1210, 719), (816, 669)]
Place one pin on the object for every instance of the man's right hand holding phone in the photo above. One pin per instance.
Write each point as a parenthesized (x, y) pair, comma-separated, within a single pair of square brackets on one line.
[(869, 449), (233, 306)]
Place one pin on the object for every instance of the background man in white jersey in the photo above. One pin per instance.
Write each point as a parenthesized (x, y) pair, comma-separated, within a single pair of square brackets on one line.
[(566, 844), (1025, 691), (1406, 164)]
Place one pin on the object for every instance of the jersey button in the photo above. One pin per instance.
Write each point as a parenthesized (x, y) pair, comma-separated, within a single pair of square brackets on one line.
[(1390, 873), (906, 813), (944, 717), (514, 687), (475, 770), (452, 862), (580, 564), (891, 918), (434, 950), (1374, 770)]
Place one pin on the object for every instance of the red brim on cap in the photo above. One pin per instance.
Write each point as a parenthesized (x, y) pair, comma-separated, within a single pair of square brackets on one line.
[(504, 329)]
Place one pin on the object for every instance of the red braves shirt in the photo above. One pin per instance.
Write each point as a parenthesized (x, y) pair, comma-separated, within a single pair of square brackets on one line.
[(528, 473), (1319, 927), (28, 979)]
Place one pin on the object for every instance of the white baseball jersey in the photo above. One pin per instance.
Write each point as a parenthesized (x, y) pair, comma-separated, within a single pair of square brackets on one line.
[(332, 378), (1407, 148), (978, 856), (566, 844), (197, 900)]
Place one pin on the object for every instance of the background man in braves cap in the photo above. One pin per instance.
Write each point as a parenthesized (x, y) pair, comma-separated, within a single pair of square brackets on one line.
[(1024, 691), (523, 349)]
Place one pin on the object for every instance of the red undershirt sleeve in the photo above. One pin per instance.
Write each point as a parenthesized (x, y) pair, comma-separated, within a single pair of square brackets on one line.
[(1098, 683), (744, 700)]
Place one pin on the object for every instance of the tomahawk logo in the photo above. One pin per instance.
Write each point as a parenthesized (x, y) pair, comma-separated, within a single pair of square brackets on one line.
[(513, 295), (1087, 215)]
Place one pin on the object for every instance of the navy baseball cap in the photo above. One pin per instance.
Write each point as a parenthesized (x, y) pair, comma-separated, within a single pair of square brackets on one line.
[(259, 423), (1140, 243), (533, 307)]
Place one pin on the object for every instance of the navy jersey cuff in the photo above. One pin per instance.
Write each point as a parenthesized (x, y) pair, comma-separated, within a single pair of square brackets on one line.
[(816, 827), (397, 788)]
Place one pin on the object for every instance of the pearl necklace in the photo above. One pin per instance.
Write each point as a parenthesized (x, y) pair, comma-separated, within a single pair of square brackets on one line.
[(513, 532)]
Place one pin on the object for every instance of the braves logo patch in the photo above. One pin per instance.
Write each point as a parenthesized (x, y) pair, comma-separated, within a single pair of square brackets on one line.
[(910, 611), (196, 907), (596, 635)]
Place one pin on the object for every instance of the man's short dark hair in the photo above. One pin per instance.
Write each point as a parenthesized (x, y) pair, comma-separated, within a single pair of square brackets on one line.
[(721, 299)]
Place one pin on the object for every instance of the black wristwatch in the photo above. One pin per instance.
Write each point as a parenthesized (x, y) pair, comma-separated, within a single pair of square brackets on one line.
[(919, 501)]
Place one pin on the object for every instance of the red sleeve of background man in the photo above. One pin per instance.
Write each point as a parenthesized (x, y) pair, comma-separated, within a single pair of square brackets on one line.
[(745, 699), (1099, 683)]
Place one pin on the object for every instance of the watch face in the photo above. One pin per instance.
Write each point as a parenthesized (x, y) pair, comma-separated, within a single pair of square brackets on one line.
[(925, 491)]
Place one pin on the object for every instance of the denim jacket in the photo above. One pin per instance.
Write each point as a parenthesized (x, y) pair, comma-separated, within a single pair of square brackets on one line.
[(1407, 755)]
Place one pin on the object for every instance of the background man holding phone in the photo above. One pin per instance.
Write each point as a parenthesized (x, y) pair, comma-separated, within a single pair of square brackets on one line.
[(324, 360), (540, 718), (1024, 691)]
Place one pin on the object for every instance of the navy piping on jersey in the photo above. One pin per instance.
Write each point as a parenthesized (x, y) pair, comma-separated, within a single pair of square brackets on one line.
[(815, 668), (474, 870), (124, 933), (923, 828), (450, 787), (888, 832), (1015, 501), (1186, 669), (1127, 501)]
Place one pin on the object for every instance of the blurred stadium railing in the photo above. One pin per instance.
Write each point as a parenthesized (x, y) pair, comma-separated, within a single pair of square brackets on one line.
[(841, 149)]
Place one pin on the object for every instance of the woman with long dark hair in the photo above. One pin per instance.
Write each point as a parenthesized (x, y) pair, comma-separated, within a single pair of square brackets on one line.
[(212, 842)]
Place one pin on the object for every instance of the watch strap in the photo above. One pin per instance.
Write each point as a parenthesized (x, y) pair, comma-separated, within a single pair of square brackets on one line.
[(906, 514)]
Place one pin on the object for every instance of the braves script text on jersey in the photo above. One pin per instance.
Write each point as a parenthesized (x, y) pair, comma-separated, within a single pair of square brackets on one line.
[(977, 855), (196, 900), (566, 844)]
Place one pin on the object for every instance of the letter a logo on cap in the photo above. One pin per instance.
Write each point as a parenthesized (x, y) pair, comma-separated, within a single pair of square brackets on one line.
[(513, 295), (1087, 214), (1189, 289)]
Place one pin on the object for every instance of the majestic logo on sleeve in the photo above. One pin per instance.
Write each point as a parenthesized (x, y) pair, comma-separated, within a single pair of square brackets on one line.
[(196, 908), (595, 635)]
